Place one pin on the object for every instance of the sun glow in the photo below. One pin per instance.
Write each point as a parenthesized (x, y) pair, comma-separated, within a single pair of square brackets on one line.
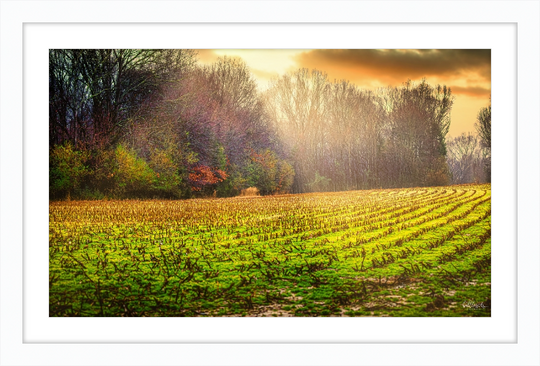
[(467, 72)]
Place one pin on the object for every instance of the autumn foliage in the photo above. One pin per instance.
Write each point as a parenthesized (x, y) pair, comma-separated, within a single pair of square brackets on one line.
[(202, 177)]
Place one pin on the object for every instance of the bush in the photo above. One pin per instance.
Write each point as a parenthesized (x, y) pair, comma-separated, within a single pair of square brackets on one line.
[(66, 170), (102, 177), (251, 191), (233, 185), (167, 178), (264, 166), (268, 173), (132, 175), (203, 179), (320, 183), (93, 195), (285, 177)]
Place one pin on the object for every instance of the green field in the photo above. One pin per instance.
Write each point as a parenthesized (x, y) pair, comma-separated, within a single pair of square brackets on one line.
[(393, 252)]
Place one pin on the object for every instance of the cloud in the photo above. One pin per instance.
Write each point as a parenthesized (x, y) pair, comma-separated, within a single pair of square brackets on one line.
[(391, 67), (472, 91)]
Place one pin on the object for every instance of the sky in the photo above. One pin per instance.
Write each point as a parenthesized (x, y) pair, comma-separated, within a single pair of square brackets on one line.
[(467, 72)]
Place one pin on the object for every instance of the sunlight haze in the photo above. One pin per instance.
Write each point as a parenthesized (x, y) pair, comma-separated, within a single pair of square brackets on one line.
[(466, 72)]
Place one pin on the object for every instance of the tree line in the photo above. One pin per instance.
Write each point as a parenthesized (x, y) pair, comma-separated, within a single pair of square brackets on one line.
[(155, 123)]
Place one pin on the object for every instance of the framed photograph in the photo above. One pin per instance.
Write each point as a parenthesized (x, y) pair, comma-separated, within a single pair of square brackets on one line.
[(37, 333)]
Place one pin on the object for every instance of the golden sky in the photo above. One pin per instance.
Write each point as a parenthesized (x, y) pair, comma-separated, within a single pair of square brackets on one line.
[(466, 72)]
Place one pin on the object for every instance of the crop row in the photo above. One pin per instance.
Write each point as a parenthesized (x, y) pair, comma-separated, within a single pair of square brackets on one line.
[(311, 254)]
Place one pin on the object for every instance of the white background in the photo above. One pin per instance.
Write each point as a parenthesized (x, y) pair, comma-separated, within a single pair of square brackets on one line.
[(384, 341)]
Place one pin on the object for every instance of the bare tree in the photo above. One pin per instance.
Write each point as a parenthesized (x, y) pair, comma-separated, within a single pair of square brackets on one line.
[(483, 128), (353, 133), (416, 121), (94, 91), (241, 121), (465, 159), (298, 108)]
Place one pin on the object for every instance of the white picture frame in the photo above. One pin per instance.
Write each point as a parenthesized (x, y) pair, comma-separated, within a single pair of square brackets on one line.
[(29, 337)]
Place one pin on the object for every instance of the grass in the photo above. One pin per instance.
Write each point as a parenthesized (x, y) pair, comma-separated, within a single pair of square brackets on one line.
[(400, 252)]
